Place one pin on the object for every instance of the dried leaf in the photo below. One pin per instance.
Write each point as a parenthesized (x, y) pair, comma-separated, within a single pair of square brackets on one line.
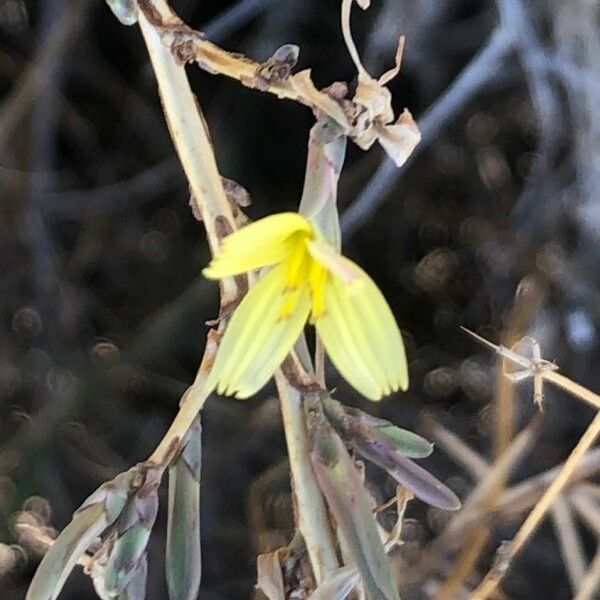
[(389, 75), (303, 85), (400, 140), (269, 576)]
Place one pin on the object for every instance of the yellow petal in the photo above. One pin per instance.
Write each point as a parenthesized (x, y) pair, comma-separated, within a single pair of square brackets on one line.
[(260, 244), (257, 340), (340, 344), (284, 336), (361, 337), (381, 331)]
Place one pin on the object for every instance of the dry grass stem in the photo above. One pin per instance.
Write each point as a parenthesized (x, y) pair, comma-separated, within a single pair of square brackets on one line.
[(457, 449), (570, 544), (535, 517), (589, 584)]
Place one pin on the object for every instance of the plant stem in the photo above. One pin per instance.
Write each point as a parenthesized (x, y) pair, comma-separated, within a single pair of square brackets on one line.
[(191, 141), (312, 515)]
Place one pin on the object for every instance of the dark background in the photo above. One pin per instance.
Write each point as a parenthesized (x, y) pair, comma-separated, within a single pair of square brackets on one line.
[(102, 305)]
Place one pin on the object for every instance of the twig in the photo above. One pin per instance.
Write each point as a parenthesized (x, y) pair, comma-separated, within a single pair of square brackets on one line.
[(474, 545), (588, 586), (587, 509), (485, 494), (457, 450), (510, 550), (24, 92), (570, 542), (474, 77), (540, 370)]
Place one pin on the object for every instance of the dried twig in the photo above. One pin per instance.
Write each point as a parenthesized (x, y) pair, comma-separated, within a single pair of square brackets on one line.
[(570, 542)]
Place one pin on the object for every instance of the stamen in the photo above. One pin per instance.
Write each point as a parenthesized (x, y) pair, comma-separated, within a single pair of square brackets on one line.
[(296, 273), (290, 303), (317, 280)]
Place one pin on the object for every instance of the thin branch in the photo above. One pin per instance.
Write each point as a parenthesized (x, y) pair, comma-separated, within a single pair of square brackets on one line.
[(589, 584), (457, 450), (571, 547), (510, 550)]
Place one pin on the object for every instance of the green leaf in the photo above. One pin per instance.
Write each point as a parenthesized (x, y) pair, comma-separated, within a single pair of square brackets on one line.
[(406, 442), (351, 508), (352, 422), (183, 555), (133, 530), (418, 480), (96, 513), (124, 10), (136, 588), (73, 541)]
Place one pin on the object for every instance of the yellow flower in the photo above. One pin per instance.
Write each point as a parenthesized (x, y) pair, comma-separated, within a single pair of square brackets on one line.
[(308, 279)]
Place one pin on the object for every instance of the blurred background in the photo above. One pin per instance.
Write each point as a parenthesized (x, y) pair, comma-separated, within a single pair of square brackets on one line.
[(494, 224)]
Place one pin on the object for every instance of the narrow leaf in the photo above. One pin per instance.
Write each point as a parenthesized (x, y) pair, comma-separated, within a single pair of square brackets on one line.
[(136, 588), (58, 562), (183, 555), (419, 481), (133, 527), (351, 508), (96, 513), (406, 442), (352, 422)]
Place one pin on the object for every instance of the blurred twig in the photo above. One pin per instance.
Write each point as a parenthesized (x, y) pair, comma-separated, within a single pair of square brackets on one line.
[(25, 91), (570, 542), (537, 369)]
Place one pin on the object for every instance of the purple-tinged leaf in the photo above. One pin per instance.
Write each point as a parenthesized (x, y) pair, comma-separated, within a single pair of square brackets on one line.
[(412, 476), (351, 507)]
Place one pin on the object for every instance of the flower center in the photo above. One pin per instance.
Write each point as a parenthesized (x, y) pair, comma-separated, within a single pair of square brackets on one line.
[(302, 271)]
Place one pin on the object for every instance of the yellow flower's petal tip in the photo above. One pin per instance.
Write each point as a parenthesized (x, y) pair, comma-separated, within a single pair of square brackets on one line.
[(404, 385), (243, 394), (209, 272)]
